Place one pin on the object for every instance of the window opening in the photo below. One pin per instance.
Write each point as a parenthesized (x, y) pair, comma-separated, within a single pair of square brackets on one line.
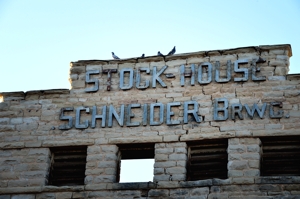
[(280, 156), (207, 159), (135, 162), (67, 165)]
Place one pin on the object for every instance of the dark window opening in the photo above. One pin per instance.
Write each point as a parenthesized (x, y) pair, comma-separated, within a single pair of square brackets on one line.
[(207, 159), (135, 154), (67, 165), (280, 156)]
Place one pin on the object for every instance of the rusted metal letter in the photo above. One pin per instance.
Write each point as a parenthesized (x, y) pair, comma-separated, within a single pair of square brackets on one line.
[(109, 71)]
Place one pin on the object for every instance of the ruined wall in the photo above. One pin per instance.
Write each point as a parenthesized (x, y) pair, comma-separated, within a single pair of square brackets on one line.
[(32, 123)]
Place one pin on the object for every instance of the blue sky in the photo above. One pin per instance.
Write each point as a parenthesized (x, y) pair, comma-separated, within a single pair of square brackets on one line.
[(38, 39)]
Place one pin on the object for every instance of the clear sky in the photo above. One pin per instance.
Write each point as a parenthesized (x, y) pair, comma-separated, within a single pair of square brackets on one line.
[(39, 39)]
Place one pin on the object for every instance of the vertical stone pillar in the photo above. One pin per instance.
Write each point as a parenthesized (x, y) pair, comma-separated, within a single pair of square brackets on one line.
[(170, 161), (101, 166), (243, 160)]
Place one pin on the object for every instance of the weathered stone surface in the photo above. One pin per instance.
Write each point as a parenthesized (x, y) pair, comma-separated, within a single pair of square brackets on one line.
[(158, 193), (198, 183), (238, 165), (242, 180), (27, 196), (63, 195), (29, 128)]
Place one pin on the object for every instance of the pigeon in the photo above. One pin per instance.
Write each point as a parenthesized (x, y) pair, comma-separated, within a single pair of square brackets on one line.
[(114, 56), (159, 54), (172, 52), (143, 55)]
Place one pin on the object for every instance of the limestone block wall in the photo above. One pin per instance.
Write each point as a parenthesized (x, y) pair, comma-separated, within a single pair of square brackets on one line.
[(24, 167), (244, 160), (170, 162), (30, 125)]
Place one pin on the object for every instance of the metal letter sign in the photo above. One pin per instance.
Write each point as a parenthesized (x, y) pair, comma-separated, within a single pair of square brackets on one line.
[(138, 78), (279, 114), (235, 112), (218, 109), (95, 116), (255, 108), (228, 72), (209, 72), (194, 111), (130, 115), (78, 125), (170, 113), (88, 80), (64, 117), (129, 86), (254, 70), (241, 70), (119, 118), (183, 74), (155, 76), (161, 114)]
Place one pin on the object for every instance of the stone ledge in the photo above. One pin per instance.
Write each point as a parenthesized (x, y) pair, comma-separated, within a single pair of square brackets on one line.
[(198, 183), (251, 49), (50, 91), (12, 145), (20, 95), (12, 190), (73, 142), (133, 185), (277, 180), (62, 188), (152, 139), (273, 132), (291, 77), (203, 136), (261, 181)]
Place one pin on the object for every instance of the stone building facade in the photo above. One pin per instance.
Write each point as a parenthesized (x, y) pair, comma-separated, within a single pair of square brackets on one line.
[(219, 124)]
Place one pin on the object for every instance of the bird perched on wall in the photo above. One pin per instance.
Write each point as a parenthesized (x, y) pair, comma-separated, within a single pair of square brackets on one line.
[(159, 54), (114, 56), (172, 52), (143, 55)]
